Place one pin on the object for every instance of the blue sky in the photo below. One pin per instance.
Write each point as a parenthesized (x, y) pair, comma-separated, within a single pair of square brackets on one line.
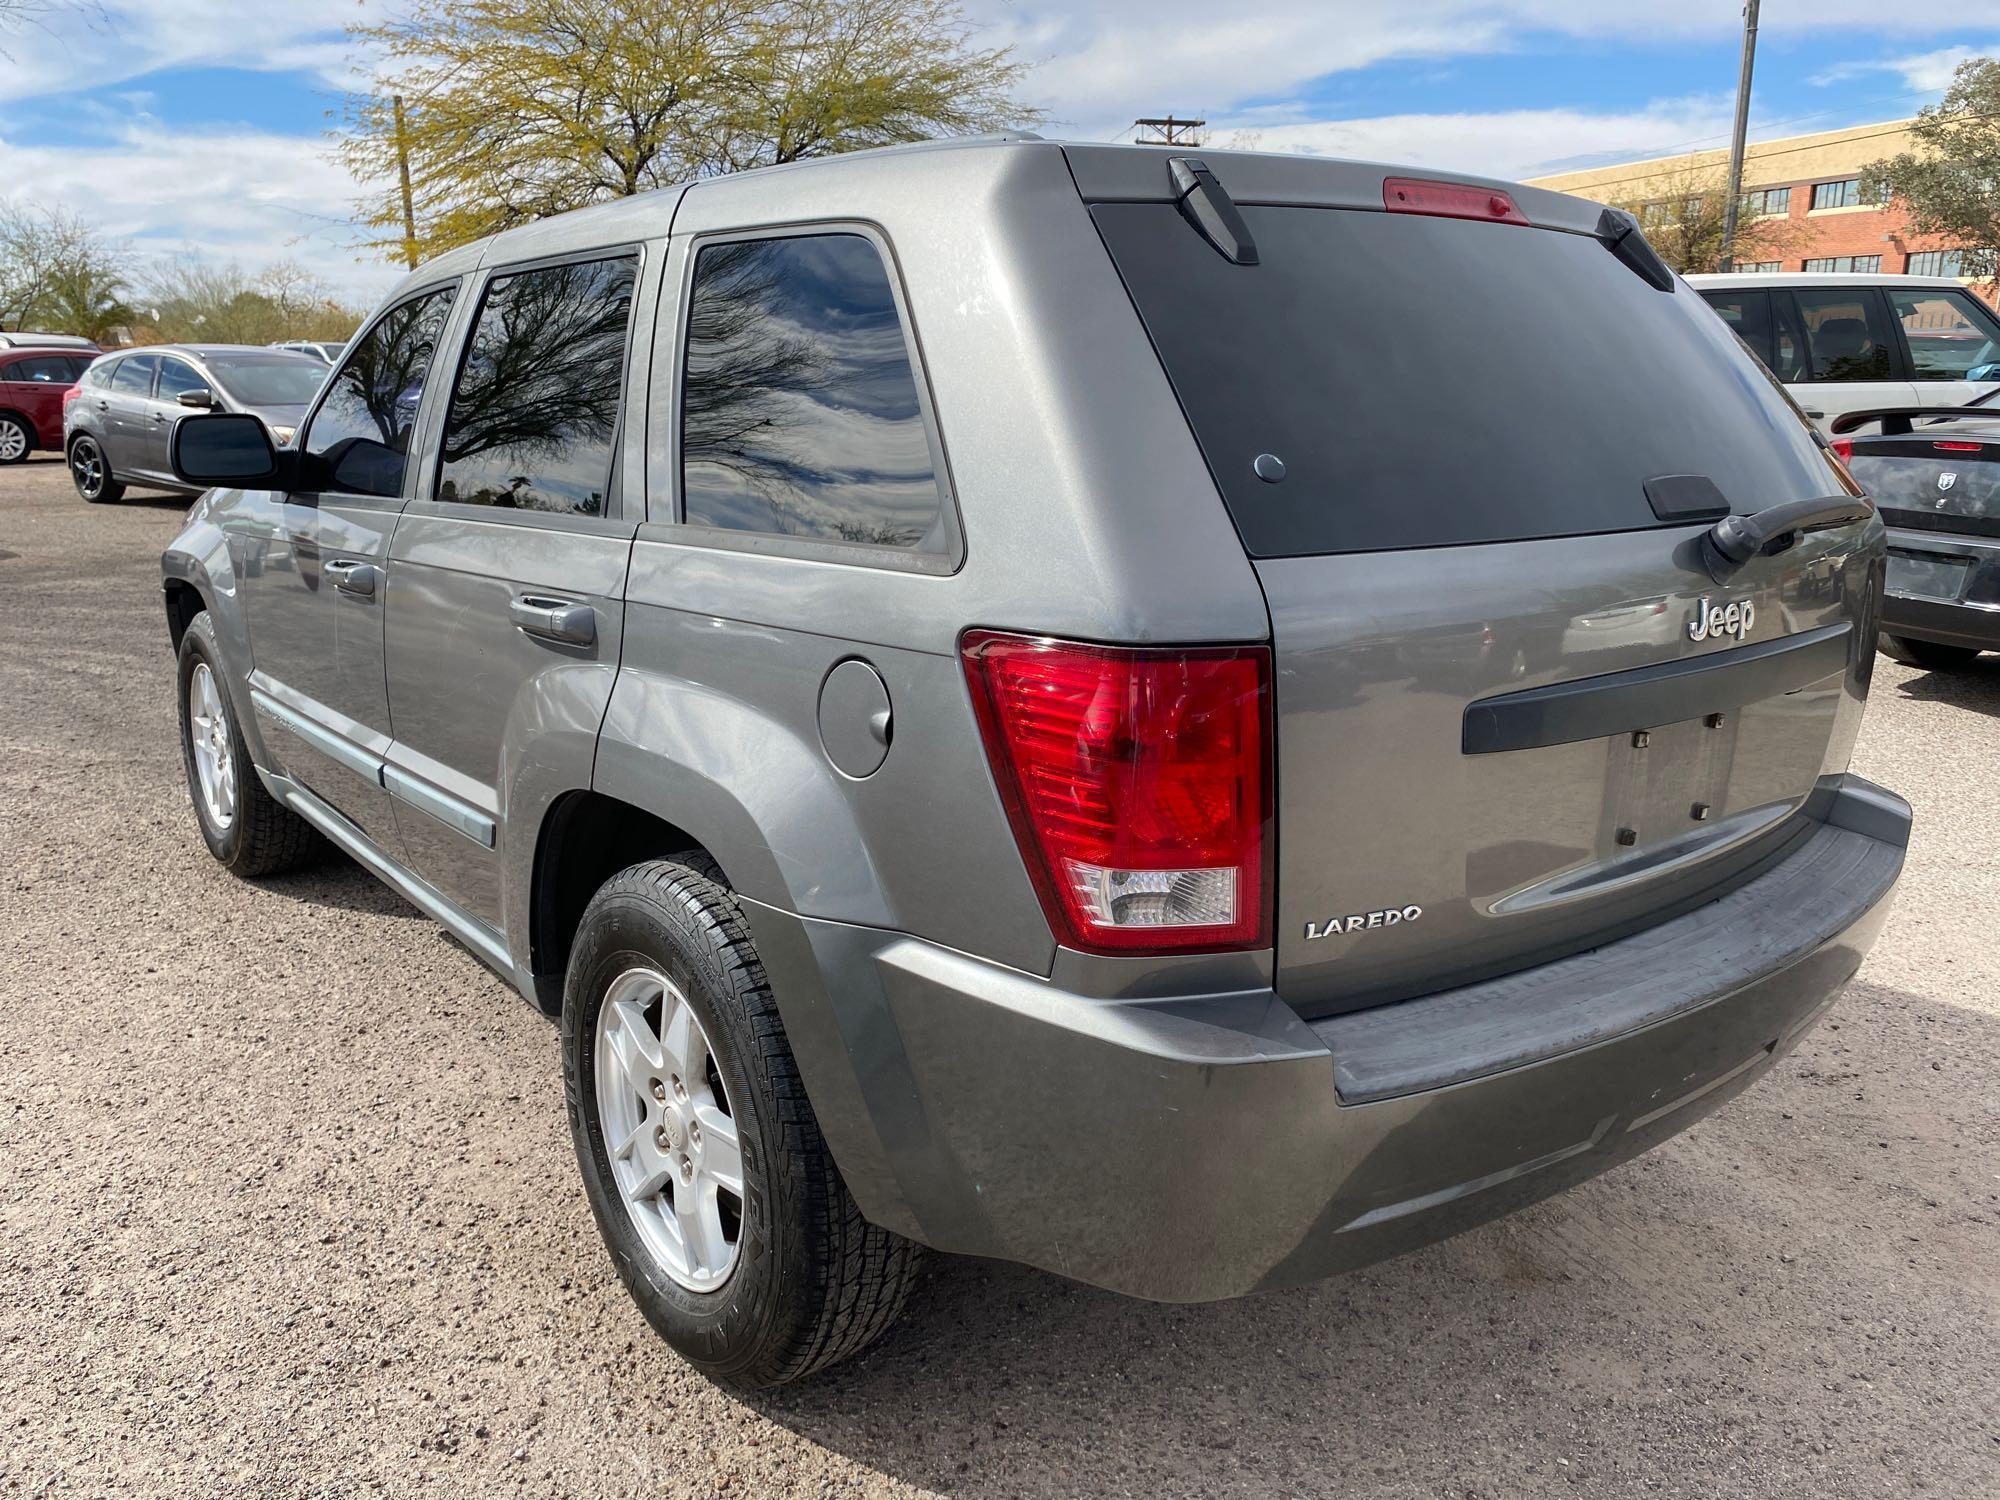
[(203, 124)]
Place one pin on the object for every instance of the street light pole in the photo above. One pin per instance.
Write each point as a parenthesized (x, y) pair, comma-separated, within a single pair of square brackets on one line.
[(1734, 203)]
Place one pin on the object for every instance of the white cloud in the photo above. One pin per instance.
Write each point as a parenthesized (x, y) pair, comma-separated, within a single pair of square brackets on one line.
[(1509, 143), (242, 195), (1924, 72)]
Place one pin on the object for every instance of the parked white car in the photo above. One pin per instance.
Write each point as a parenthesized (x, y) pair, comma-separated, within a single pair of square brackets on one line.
[(1852, 342)]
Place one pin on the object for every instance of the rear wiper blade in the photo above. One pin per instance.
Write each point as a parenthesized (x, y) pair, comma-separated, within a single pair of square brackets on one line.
[(1206, 204), (1622, 236), (1734, 540)]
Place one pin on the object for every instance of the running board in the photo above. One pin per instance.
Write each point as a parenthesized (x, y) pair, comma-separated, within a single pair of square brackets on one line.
[(485, 944)]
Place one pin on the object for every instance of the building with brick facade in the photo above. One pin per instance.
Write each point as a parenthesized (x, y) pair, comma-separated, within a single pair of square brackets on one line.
[(1811, 180)]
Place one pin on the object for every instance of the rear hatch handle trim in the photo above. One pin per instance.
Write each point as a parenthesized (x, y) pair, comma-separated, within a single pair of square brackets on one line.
[(1591, 708)]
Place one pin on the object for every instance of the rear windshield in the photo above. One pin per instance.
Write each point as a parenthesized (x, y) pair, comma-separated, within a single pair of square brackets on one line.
[(1429, 382), (270, 382)]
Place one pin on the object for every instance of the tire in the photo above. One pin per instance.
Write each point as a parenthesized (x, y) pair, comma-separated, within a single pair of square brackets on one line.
[(17, 439), (1931, 654), (90, 472), (247, 829), (807, 1281)]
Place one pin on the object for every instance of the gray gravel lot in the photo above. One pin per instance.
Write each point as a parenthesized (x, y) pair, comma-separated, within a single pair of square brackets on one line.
[(289, 1207)]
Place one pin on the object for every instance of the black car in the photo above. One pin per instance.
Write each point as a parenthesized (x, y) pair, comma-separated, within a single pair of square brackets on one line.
[(1934, 473)]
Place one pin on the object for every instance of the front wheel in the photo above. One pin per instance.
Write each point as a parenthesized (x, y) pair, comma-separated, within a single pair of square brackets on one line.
[(1932, 654), (723, 1210), (244, 826), (90, 472)]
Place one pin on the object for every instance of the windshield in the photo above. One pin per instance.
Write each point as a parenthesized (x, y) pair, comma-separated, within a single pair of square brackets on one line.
[(270, 382), (1427, 382)]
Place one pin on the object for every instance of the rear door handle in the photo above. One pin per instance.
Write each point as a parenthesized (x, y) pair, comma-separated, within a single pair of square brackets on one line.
[(352, 576), (160, 417), (560, 620), (1815, 415)]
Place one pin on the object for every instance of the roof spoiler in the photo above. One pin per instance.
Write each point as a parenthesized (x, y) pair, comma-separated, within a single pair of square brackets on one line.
[(1621, 235), (1897, 420)]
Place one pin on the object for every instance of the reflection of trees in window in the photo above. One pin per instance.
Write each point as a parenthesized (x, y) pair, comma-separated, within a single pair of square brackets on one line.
[(799, 408), (532, 418), (361, 432)]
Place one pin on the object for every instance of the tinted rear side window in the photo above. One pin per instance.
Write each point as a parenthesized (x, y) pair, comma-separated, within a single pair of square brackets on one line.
[(800, 415), (1430, 382)]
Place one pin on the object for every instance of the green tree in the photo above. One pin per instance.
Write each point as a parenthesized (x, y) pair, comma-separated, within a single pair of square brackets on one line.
[(515, 109), (1950, 185), (194, 300), (58, 274), (1682, 213)]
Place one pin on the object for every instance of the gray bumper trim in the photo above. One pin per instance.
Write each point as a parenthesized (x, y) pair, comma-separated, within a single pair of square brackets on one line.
[(1818, 890)]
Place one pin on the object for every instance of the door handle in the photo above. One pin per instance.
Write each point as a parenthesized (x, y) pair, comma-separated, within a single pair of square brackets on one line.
[(1815, 415), (352, 576), (560, 620), (160, 417)]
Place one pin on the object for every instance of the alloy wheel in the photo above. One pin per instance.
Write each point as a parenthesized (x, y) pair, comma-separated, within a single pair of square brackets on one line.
[(208, 738), (13, 441), (86, 462), (669, 1128)]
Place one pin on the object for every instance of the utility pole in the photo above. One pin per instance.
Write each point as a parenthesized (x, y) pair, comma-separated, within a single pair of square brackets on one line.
[(1733, 206), (1172, 132), (403, 166)]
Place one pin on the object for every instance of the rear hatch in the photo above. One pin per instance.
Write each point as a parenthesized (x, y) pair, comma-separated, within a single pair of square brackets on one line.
[(1945, 477), (1516, 717)]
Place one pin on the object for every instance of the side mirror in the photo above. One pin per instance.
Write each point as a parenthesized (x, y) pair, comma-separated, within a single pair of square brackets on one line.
[(204, 398), (231, 448)]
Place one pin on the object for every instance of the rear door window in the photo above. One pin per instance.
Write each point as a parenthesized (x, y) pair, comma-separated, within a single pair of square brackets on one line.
[(134, 376), (1950, 335), (1429, 381), (536, 407), (1767, 324), (1847, 336)]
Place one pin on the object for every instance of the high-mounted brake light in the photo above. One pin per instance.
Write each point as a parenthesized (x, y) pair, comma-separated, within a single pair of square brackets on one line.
[(1957, 447), (1138, 782), (1449, 200)]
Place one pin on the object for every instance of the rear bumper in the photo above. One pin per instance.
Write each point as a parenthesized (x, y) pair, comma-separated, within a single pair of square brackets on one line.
[(1200, 1147), (1971, 619)]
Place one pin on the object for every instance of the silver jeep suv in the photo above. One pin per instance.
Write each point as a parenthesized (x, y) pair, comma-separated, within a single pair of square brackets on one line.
[(1190, 722)]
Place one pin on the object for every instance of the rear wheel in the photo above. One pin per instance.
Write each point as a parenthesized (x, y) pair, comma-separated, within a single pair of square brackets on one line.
[(17, 439), (1915, 653), (705, 1169), (90, 472)]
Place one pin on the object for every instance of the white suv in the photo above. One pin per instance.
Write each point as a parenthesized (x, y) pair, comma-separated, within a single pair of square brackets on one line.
[(1847, 342)]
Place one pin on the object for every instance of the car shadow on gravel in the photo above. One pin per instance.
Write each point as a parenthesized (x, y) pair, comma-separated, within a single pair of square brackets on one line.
[(1975, 687), (1655, 1324), (338, 882)]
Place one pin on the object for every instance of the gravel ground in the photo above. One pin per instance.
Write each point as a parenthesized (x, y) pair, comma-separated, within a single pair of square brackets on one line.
[(289, 1207)]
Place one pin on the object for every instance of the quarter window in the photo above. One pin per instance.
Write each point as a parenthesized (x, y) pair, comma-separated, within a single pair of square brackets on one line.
[(359, 440), (799, 411), (536, 408), (1951, 335), (1845, 263)]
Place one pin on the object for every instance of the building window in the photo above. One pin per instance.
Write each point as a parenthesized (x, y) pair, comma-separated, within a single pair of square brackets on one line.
[(1767, 201), (1845, 263), (1843, 194), (1760, 267), (1936, 263)]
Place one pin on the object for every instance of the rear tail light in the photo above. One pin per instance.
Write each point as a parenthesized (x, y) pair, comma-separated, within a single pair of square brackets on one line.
[(1449, 200), (1138, 783), (69, 395), (1843, 449)]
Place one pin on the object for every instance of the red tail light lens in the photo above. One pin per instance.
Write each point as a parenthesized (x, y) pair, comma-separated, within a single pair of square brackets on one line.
[(1138, 782), (1956, 447), (1449, 200), (1843, 449)]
